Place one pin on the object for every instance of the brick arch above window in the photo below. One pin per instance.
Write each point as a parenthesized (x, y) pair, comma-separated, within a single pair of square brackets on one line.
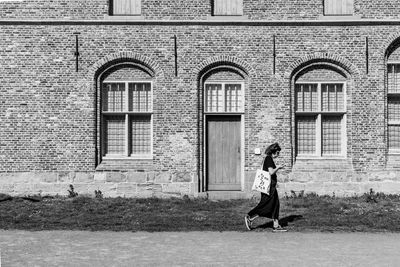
[(321, 72), (329, 60), (222, 61), (126, 71), (224, 73), (115, 59), (392, 46)]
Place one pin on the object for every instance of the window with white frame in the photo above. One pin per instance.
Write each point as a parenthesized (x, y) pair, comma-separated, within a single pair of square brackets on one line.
[(127, 118), (228, 7), (224, 97), (338, 7), (320, 119), (126, 7), (394, 107)]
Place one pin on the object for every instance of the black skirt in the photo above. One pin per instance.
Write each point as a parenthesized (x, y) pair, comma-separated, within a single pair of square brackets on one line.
[(268, 206)]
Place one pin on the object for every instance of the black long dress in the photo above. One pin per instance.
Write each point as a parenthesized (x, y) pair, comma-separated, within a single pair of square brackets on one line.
[(269, 204)]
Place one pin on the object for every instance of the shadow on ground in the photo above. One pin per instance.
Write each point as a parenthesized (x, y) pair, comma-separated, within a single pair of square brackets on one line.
[(283, 222)]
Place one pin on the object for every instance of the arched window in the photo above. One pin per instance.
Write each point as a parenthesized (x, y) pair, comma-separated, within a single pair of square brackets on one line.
[(393, 82), (320, 112), (224, 92), (126, 112)]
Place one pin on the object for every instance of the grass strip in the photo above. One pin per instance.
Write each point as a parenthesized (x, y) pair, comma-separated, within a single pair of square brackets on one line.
[(368, 213)]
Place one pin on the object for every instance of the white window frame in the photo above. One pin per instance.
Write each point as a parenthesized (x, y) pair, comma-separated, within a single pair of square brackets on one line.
[(137, 13), (127, 114), (327, 12), (319, 113), (223, 83), (391, 94)]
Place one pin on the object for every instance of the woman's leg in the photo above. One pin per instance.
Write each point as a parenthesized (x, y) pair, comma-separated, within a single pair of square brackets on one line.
[(275, 215), (254, 212), (275, 211)]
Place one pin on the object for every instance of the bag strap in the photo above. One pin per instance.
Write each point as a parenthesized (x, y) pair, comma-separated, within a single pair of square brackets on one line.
[(262, 164)]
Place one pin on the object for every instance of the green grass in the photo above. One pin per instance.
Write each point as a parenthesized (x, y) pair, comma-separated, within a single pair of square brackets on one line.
[(370, 213)]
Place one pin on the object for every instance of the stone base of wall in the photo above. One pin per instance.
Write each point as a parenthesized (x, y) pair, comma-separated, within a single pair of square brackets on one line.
[(168, 184), (111, 184), (341, 183), (333, 182)]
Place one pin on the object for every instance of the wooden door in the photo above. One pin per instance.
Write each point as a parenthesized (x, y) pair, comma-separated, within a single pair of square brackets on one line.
[(223, 152)]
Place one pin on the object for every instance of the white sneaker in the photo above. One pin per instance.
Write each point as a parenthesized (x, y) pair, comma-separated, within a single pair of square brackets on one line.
[(248, 222), (279, 229)]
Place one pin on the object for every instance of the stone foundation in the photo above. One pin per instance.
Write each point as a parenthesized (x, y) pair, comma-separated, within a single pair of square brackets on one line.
[(341, 183), (337, 183), (111, 184), (167, 184)]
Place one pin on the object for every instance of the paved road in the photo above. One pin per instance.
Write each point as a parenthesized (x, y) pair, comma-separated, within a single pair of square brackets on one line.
[(69, 248)]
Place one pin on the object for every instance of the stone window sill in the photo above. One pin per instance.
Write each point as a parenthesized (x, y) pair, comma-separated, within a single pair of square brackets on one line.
[(125, 164), (133, 157), (124, 18), (226, 18), (393, 160), (304, 157), (339, 18), (394, 152), (315, 164)]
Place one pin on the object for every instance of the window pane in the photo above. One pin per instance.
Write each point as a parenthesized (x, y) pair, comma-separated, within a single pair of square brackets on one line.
[(394, 118), (126, 7), (394, 136), (214, 96), (306, 97), (114, 97), (140, 134), (140, 97), (233, 97), (306, 135), (394, 78), (331, 135), (394, 108), (115, 135), (332, 97)]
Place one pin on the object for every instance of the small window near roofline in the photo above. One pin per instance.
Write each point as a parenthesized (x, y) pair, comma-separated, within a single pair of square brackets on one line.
[(338, 7), (125, 7), (228, 8)]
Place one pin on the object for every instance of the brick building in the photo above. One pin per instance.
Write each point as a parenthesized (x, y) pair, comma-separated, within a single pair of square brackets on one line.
[(144, 98)]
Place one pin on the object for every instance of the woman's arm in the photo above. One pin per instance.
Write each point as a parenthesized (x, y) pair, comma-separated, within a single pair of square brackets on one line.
[(272, 171)]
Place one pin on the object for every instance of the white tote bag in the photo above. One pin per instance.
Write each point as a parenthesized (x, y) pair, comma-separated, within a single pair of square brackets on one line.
[(262, 181)]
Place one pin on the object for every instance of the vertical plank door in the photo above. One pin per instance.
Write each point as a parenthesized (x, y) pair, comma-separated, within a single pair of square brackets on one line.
[(223, 152)]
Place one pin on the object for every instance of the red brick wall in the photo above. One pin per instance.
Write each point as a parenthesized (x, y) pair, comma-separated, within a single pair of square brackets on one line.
[(45, 100), (48, 111)]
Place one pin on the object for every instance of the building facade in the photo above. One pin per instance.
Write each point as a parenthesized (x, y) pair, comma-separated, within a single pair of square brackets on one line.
[(142, 98)]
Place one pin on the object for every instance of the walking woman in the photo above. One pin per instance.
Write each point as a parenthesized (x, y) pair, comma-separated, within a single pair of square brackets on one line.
[(269, 204)]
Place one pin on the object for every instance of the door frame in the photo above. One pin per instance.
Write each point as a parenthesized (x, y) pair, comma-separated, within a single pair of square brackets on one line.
[(242, 143)]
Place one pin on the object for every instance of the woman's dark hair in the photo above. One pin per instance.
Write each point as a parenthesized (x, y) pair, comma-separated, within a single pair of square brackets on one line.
[(272, 149)]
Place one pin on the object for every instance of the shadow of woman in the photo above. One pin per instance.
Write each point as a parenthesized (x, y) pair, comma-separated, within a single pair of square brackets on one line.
[(283, 222)]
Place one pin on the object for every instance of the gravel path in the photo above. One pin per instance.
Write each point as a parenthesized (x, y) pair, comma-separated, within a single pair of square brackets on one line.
[(75, 248)]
